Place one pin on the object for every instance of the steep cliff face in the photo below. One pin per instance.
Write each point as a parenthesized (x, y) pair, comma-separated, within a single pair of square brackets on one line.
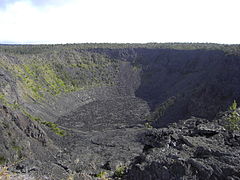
[(202, 82), (70, 109)]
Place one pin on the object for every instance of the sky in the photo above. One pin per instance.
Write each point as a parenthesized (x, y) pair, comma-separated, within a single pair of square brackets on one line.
[(119, 21)]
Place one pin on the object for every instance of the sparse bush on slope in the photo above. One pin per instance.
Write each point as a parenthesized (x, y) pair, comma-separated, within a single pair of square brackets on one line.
[(233, 119)]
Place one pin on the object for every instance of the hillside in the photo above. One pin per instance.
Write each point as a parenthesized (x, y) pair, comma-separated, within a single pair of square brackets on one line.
[(82, 109)]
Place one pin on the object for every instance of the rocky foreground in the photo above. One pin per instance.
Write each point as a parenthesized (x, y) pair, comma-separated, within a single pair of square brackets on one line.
[(192, 149)]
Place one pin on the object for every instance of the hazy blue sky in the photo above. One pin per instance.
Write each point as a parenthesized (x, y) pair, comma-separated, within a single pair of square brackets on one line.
[(77, 21)]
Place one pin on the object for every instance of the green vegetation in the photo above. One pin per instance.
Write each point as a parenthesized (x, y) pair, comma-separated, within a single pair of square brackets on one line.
[(3, 99), (38, 49), (101, 175), (64, 70), (148, 125), (33, 118), (67, 71), (120, 171), (18, 150), (39, 79), (5, 102), (71, 176), (2, 160), (233, 119), (136, 67), (52, 126), (5, 174), (161, 109)]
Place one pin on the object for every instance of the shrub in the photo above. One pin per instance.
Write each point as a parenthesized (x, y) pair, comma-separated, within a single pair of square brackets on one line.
[(54, 127), (148, 125), (101, 175), (120, 171), (233, 119)]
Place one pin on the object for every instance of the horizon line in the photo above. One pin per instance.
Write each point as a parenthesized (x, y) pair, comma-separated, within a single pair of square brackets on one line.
[(75, 43)]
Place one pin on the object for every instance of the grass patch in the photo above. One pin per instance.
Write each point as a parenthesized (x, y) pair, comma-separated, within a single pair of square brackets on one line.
[(38, 79), (33, 118), (52, 126), (5, 102)]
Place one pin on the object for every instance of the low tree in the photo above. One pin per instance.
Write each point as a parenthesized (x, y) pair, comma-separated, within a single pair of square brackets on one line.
[(233, 119)]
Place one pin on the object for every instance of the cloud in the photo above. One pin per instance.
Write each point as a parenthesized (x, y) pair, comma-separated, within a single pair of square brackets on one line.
[(75, 21), (37, 3), (48, 2), (5, 3)]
